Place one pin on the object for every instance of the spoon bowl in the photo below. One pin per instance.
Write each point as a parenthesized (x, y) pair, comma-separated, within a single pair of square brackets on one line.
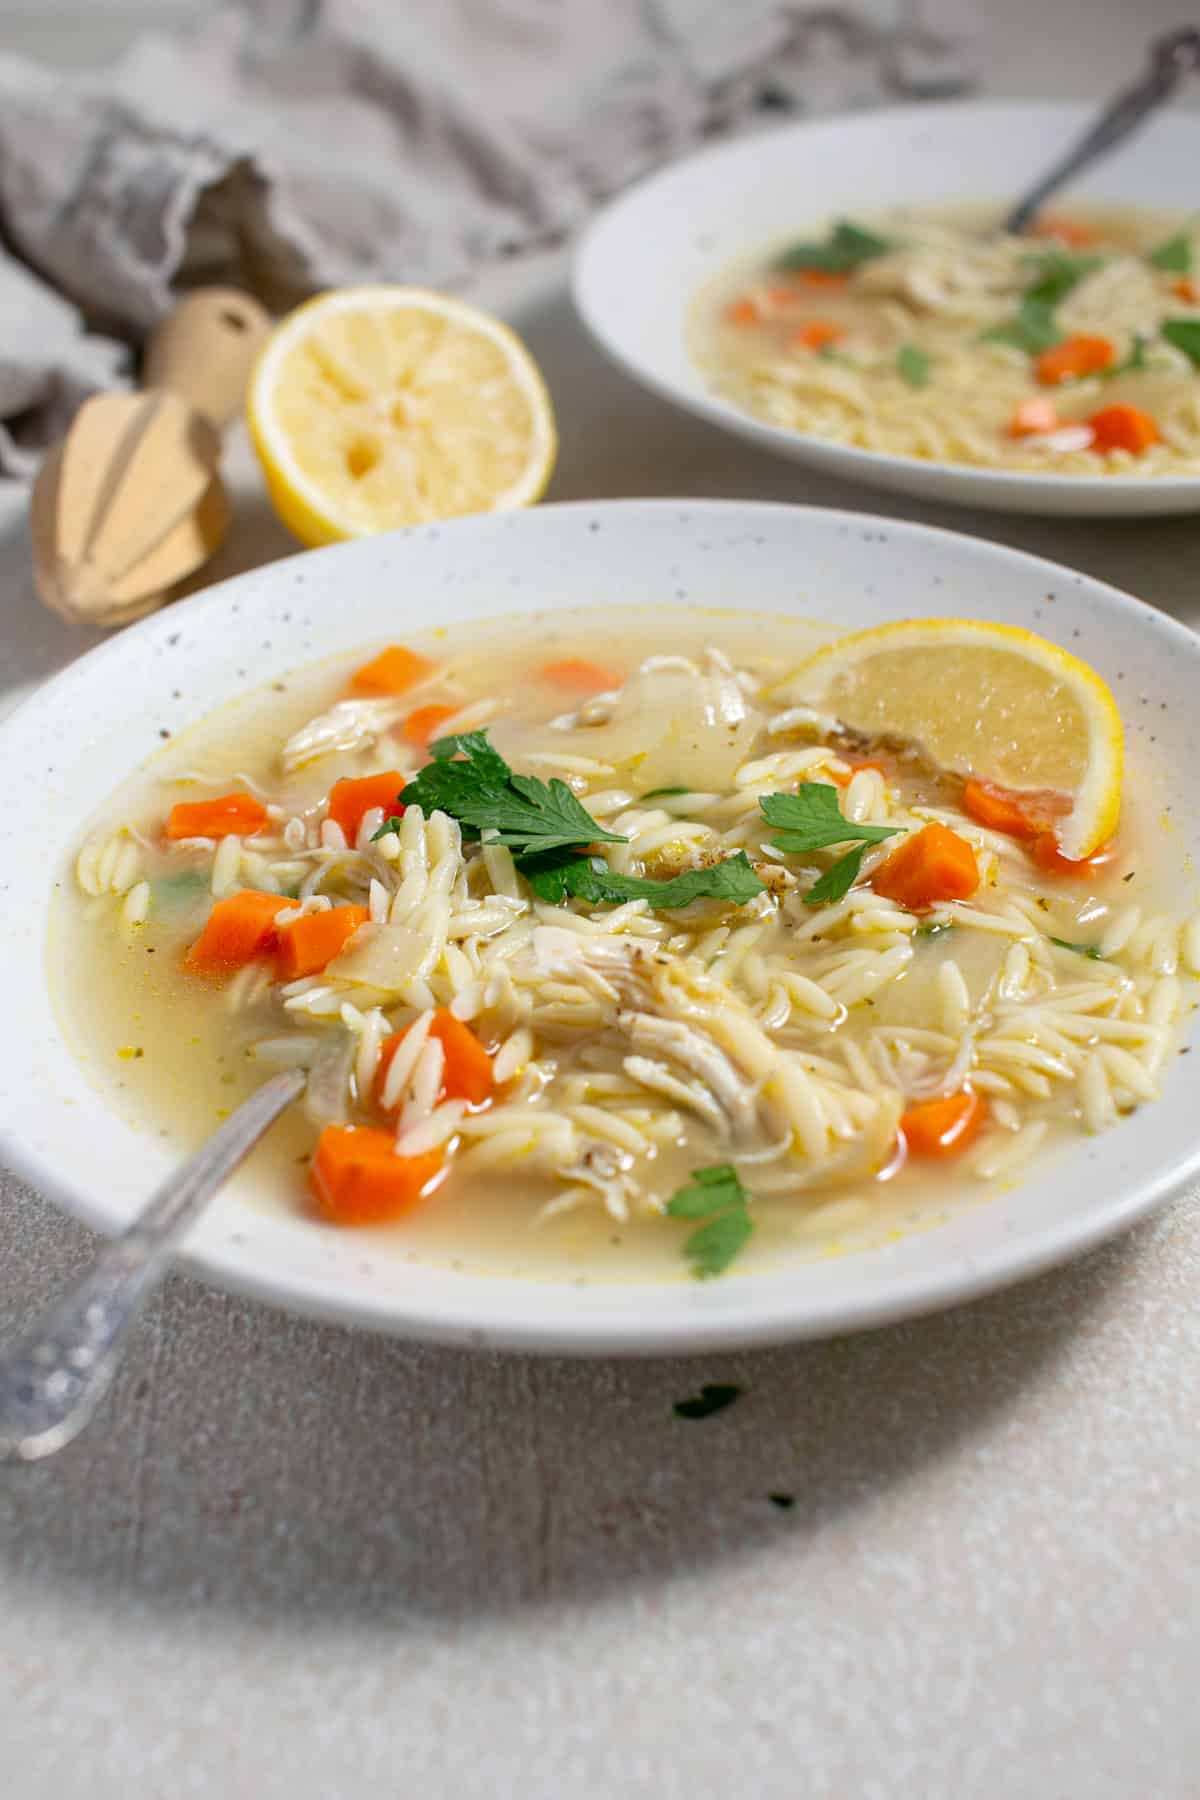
[(690, 223)]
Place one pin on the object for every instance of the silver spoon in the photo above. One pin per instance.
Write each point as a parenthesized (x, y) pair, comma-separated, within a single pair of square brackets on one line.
[(1171, 58), (53, 1377)]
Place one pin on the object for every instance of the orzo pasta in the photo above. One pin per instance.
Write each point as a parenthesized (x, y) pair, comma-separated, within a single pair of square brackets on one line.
[(641, 914)]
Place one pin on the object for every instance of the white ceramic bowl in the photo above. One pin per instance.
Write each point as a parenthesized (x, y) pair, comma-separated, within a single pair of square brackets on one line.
[(68, 747), (640, 265)]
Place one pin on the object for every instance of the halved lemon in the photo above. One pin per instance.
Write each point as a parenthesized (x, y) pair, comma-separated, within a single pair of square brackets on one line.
[(372, 407), (992, 701)]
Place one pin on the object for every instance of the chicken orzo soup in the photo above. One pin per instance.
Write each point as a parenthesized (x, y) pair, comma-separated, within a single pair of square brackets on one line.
[(932, 333), (609, 950)]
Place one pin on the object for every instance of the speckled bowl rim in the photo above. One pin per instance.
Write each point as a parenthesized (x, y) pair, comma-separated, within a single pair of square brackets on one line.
[(57, 1132), (683, 225)]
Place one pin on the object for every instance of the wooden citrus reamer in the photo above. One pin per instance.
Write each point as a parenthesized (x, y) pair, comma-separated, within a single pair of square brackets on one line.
[(131, 501)]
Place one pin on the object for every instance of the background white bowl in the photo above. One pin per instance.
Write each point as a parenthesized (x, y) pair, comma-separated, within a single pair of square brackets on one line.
[(640, 265), (70, 745)]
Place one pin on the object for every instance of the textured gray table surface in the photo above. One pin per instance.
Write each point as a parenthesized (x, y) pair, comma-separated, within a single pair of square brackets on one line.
[(289, 1561)]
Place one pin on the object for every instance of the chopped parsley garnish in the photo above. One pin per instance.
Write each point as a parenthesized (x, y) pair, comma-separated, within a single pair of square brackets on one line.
[(1092, 950), (664, 793), (178, 889), (936, 930), (717, 1196), (1175, 256), (812, 820), (912, 365), (1036, 327), (472, 782), (1057, 273), (546, 827), (846, 249), (1185, 335), (557, 878), (713, 1397)]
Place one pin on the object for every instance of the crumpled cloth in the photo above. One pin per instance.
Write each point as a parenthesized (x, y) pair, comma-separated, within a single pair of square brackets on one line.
[(288, 145)]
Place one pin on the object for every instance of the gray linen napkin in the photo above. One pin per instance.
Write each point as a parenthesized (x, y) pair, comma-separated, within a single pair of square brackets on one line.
[(286, 145)]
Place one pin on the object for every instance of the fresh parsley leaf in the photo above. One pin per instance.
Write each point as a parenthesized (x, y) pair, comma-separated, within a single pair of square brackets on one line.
[(178, 889), (556, 878), (713, 1397), (836, 882), (847, 248), (470, 780), (389, 825), (1034, 329), (1185, 335), (477, 748), (1092, 950), (812, 820), (663, 793), (715, 1245), (1057, 272), (1175, 255), (716, 1195), (711, 1190), (912, 365)]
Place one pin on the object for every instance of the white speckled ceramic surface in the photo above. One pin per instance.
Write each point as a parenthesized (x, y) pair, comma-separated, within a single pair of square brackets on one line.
[(682, 227), (84, 731)]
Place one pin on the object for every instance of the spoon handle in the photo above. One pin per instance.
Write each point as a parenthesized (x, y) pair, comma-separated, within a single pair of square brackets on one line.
[(1171, 58), (53, 1377)]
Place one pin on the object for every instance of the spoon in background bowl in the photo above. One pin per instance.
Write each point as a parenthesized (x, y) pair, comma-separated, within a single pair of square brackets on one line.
[(55, 1374), (1172, 58)]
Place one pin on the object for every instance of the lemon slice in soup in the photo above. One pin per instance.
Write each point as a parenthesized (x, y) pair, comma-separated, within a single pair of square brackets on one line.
[(992, 701)]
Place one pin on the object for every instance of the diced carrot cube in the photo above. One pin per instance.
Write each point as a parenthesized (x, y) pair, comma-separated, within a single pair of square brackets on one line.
[(1000, 809), (423, 725), (931, 865), (393, 671), (830, 279), (351, 799), (467, 1071), (818, 334), (228, 815), (1074, 358), (238, 930), (1047, 855), (315, 938), (943, 1127), (357, 1178), (1124, 428), (745, 311), (1186, 289), (579, 676)]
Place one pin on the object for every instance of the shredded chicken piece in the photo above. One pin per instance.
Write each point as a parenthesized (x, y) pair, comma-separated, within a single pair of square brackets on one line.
[(350, 725), (683, 1045), (610, 1172), (691, 1094)]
